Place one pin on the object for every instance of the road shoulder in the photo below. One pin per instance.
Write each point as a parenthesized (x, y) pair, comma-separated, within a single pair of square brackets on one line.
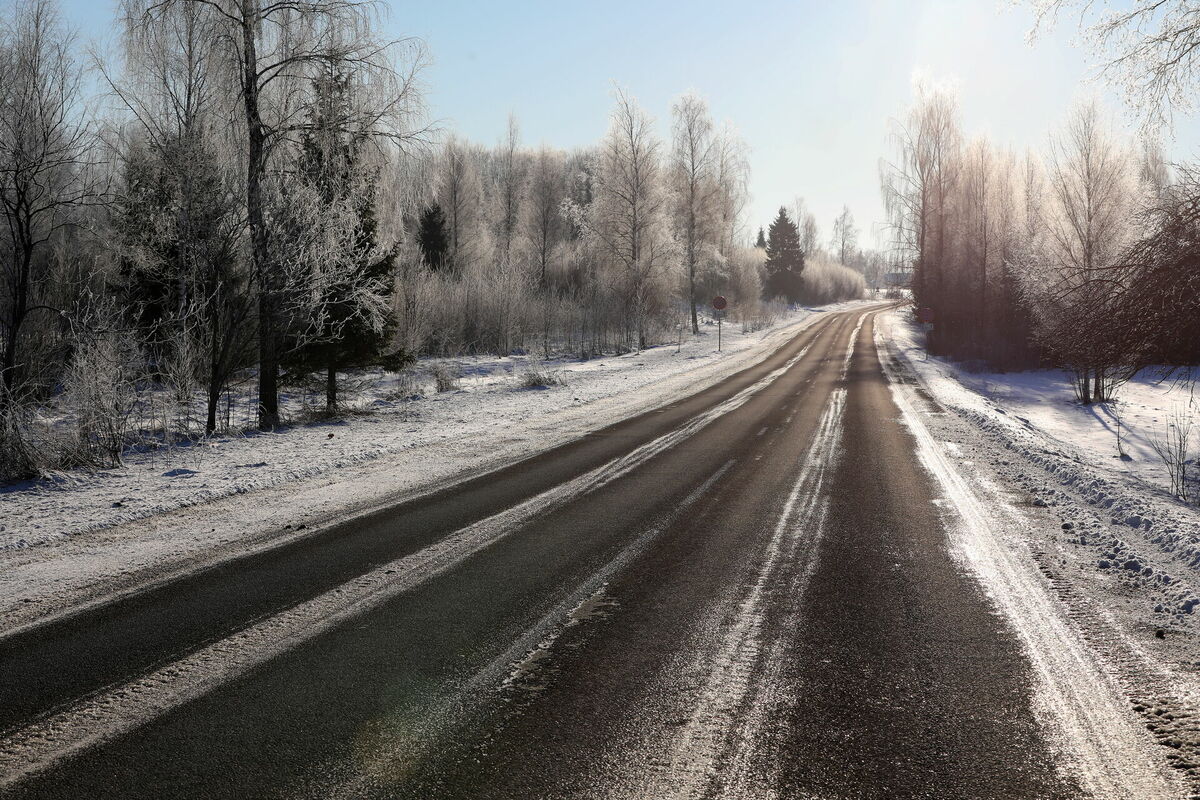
[(1120, 696)]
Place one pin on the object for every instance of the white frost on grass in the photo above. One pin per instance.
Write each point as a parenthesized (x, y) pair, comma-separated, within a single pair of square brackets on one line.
[(85, 536)]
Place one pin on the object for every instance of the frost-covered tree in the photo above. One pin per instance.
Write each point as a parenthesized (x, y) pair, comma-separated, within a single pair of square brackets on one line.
[(693, 163), (179, 218), (270, 50), (785, 260), (351, 324), (845, 236), (918, 191), (1091, 194), (627, 220), (1150, 50), (459, 195)]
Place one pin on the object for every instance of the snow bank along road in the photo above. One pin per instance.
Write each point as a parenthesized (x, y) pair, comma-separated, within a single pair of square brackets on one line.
[(773, 588)]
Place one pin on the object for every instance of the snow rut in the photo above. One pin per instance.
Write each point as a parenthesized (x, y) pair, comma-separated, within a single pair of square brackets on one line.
[(1104, 748), (120, 709), (519, 673), (711, 755)]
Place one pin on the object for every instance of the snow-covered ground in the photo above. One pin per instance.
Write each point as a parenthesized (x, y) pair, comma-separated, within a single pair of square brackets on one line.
[(1042, 399), (1041, 506), (84, 536)]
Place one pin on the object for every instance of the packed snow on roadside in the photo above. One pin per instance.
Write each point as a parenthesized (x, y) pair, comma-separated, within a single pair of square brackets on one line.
[(1103, 535), (109, 528)]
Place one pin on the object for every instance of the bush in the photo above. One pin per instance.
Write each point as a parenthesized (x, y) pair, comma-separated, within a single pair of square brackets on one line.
[(100, 394), (20, 455), (537, 376), (444, 378), (828, 281)]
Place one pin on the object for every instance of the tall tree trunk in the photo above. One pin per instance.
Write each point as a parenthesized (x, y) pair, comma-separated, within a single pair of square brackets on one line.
[(214, 382), (268, 356), (331, 391), (20, 308), (691, 257)]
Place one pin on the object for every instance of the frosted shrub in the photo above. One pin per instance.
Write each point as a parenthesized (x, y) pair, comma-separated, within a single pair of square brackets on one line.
[(537, 375), (827, 281), (444, 378), (100, 395), (20, 454)]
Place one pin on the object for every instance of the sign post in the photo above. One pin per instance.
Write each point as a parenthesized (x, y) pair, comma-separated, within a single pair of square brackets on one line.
[(926, 317), (718, 304)]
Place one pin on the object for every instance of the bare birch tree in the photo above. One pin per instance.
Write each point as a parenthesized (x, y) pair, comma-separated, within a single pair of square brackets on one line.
[(845, 236), (44, 175), (1087, 228), (627, 218), (693, 159)]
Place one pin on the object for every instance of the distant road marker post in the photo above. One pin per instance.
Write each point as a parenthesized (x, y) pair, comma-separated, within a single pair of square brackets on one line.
[(926, 317)]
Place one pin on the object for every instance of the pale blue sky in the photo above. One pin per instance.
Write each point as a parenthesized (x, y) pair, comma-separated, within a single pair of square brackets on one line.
[(810, 85)]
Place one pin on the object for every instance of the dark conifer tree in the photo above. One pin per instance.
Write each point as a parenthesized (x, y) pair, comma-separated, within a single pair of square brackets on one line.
[(785, 260), (761, 242), (331, 159), (432, 238)]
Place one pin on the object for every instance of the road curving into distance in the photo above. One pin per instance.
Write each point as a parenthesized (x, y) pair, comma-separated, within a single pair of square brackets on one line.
[(745, 594)]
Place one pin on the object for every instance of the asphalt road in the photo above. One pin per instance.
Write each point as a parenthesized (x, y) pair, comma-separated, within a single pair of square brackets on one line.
[(746, 594)]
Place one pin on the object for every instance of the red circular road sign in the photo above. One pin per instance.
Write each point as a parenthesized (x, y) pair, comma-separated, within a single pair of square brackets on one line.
[(719, 303), (925, 314)]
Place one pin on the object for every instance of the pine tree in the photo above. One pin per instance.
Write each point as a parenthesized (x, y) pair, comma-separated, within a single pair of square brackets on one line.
[(761, 243), (432, 237), (785, 260), (331, 160)]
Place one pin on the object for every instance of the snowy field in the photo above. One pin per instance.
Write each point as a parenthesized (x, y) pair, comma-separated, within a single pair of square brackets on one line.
[(82, 535), (1038, 504), (1042, 400)]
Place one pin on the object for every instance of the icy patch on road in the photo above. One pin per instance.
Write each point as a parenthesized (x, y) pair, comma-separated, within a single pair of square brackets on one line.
[(1108, 751), (528, 674)]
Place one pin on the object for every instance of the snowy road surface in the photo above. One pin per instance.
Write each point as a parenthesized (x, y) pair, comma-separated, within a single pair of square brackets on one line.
[(777, 587)]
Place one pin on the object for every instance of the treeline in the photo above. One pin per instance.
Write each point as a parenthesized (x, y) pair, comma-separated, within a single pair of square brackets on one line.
[(254, 197), (1083, 256)]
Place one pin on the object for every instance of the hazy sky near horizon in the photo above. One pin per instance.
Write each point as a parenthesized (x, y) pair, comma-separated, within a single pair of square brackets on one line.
[(811, 86)]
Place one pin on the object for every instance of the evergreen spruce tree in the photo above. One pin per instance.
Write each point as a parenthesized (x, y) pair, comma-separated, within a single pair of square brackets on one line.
[(332, 162), (432, 237), (785, 260), (761, 243)]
